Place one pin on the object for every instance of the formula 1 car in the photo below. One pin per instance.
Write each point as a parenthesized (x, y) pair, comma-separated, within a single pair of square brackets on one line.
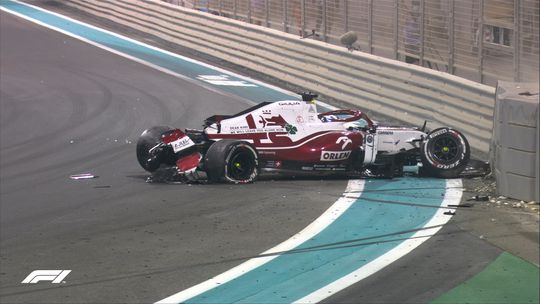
[(292, 137)]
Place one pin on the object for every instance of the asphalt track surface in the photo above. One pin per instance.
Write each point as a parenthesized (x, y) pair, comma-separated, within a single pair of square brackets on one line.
[(68, 108)]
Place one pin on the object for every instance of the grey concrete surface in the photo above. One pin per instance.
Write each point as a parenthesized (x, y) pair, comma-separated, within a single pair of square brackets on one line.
[(514, 152), (67, 108), (509, 224)]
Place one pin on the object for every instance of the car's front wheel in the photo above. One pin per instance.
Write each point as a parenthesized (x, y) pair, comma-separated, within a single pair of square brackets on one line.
[(148, 140), (232, 161), (445, 152)]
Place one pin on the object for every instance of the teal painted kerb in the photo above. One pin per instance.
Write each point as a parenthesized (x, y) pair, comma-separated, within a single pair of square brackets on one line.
[(383, 217), (190, 69)]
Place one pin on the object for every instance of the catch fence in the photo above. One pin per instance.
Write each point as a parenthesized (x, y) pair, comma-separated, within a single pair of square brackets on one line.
[(481, 40)]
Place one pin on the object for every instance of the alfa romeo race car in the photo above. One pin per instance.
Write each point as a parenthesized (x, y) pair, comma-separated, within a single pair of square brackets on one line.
[(291, 137)]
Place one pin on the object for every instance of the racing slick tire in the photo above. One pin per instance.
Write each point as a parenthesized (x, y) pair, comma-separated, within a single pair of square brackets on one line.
[(232, 161), (149, 139), (444, 152)]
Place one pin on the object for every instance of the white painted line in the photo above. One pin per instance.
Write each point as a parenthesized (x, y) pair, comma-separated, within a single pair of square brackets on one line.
[(452, 196), (269, 86), (143, 62), (351, 194), (223, 80)]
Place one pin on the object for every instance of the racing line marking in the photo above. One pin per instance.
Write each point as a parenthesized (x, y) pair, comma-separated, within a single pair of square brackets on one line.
[(347, 220)]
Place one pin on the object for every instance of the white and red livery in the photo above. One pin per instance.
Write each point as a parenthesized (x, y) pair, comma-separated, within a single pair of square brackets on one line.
[(292, 137)]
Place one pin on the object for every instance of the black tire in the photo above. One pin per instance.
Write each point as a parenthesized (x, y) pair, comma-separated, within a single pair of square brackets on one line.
[(445, 152), (149, 139), (232, 161)]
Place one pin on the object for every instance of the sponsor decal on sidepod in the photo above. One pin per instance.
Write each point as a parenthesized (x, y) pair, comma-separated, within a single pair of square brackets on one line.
[(334, 155)]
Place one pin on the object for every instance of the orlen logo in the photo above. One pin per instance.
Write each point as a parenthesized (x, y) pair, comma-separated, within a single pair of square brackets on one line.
[(55, 276), (334, 155)]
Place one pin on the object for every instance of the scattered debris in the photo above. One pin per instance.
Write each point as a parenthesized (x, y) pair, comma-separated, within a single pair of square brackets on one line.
[(83, 176), (476, 168), (168, 175), (484, 189), (479, 198), (466, 205)]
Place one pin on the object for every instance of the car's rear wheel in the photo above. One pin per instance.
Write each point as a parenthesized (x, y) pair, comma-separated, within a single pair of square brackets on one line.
[(149, 139), (445, 152), (232, 161)]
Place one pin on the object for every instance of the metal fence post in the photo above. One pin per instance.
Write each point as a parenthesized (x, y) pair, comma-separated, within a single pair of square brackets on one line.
[(220, 7), (325, 20), (266, 13), (451, 37), (303, 16), (370, 26), (285, 8), (396, 28), (249, 12), (481, 42), (346, 14), (235, 9), (422, 38), (517, 54)]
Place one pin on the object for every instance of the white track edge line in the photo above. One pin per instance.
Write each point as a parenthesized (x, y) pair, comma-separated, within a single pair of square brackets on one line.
[(292, 94), (452, 195), (351, 194), (124, 55)]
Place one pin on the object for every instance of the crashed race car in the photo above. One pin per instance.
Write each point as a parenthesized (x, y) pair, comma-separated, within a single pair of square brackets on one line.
[(291, 137)]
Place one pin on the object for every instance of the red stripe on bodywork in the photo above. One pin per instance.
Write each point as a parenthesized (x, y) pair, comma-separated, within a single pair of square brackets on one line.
[(251, 122)]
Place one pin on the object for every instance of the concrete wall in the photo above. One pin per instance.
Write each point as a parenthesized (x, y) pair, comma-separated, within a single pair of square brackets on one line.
[(516, 138), (405, 92)]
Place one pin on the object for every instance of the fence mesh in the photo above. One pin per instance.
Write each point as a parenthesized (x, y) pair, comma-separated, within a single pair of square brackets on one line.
[(528, 40), (466, 33), (482, 40), (358, 21)]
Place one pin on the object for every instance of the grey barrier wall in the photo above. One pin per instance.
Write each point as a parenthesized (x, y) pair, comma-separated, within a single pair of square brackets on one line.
[(481, 40), (406, 92), (516, 138)]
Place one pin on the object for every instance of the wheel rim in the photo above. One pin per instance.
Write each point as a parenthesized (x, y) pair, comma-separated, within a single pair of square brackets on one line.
[(446, 149), (241, 165)]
